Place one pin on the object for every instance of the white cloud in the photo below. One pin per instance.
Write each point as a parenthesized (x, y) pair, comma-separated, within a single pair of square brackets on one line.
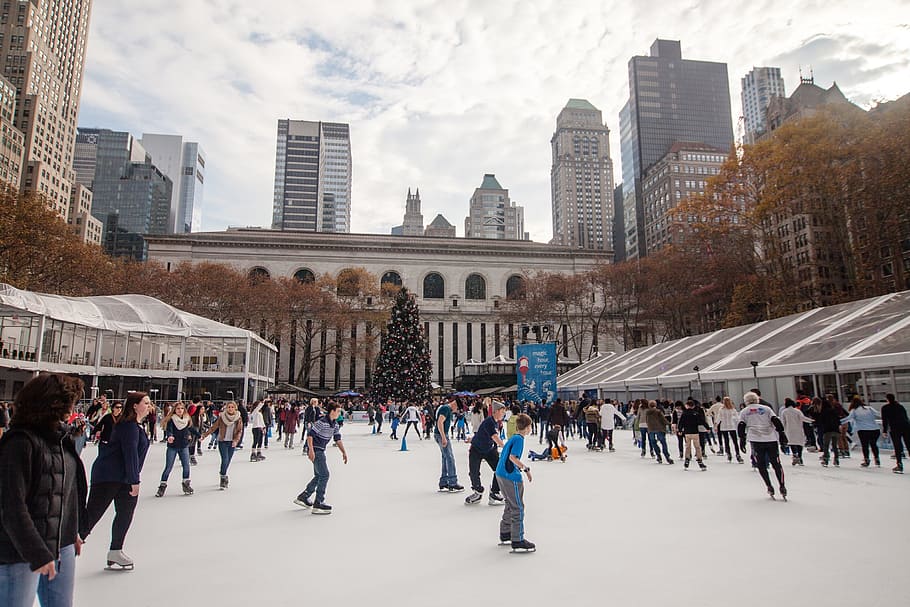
[(437, 92)]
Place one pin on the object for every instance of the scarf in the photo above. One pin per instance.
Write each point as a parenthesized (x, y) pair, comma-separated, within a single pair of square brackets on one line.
[(180, 422), (230, 419)]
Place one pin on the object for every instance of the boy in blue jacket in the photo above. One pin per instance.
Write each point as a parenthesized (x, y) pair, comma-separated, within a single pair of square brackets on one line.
[(508, 474)]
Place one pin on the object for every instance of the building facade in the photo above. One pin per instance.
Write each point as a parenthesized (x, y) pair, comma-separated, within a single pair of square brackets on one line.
[(80, 218), (11, 139), (184, 164), (581, 178), (460, 286), (670, 99), (684, 171), (759, 86), (130, 195), (493, 215), (440, 228), (43, 42), (312, 177)]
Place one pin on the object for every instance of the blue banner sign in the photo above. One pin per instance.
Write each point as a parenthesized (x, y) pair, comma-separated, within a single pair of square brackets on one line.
[(536, 371)]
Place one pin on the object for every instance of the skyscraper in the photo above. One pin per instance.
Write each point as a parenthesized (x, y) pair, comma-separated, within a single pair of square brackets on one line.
[(184, 163), (43, 43), (581, 178), (130, 196), (413, 218), (12, 141), (493, 215), (759, 86), (670, 99), (312, 177)]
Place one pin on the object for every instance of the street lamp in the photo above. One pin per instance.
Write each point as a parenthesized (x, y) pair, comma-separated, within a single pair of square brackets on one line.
[(754, 364), (230, 393), (698, 376)]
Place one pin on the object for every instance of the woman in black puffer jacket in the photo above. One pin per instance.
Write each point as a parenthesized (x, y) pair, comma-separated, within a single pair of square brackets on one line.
[(42, 495)]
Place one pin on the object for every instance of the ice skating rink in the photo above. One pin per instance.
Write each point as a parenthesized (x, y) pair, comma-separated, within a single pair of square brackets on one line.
[(611, 528)]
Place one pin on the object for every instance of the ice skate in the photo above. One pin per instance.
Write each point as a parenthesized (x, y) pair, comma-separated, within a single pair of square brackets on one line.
[(187, 490), (193, 461), (878, 463), (456, 488), (686, 464), (864, 464), (505, 540), (474, 498), (771, 493), (322, 509), (161, 489), (495, 499), (739, 460), (795, 460), (669, 461), (253, 457), (117, 560), (260, 456), (898, 469), (303, 501), (523, 546), (702, 466), (224, 482), (783, 493)]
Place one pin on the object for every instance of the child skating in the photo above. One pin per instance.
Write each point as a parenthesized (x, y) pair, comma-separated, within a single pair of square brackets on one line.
[(508, 473), (317, 438)]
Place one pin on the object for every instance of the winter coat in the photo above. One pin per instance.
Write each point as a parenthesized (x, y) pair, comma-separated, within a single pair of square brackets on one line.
[(121, 460), (182, 438), (36, 520), (863, 418), (793, 419), (290, 422), (655, 420), (592, 414), (690, 420), (558, 415), (727, 419), (608, 414)]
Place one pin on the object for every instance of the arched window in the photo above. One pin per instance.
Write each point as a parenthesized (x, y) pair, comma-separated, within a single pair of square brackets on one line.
[(434, 286), (305, 275), (348, 283), (390, 283), (257, 275), (515, 287), (475, 287)]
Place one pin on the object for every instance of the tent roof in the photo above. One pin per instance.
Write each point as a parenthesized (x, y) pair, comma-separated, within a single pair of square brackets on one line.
[(138, 313), (867, 334)]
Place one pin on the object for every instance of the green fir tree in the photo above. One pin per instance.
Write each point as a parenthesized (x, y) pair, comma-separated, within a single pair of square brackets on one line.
[(403, 366)]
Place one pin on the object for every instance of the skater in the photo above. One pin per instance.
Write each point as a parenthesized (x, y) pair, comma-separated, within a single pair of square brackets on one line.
[(115, 477), (828, 420), (318, 437), (763, 429), (448, 478), (727, 419), (178, 433), (257, 423), (105, 426), (39, 469), (865, 425), (553, 446), (412, 418), (642, 421), (484, 445), (508, 474), (896, 425), (608, 415), (291, 420), (692, 418), (380, 412), (227, 430), (197, 415), (591, 416), (794, 427), (657, 431), (394, 421)]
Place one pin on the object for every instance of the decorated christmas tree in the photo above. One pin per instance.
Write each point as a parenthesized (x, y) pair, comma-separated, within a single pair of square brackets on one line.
[(403, 366)]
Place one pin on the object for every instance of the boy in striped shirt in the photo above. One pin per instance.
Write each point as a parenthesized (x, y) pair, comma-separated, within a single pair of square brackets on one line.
[(319, 435)]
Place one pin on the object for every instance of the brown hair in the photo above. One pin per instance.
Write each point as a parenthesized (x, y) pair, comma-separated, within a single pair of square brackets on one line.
[(129, 406), (522, 421), (45, 401)]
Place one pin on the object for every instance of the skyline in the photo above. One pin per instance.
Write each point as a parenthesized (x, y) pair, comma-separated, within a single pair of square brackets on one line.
[(439, 94)]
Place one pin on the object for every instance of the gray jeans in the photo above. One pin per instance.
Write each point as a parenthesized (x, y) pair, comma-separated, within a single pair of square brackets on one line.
[(512, 524)]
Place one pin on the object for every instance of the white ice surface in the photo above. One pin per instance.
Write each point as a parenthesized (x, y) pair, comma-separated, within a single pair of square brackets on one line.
[(611, 528)]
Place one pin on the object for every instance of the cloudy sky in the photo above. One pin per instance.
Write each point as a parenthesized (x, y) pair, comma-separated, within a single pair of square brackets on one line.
[(439, 92)]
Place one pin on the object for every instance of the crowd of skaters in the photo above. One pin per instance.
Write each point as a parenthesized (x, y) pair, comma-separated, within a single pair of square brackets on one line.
[(45, 432)]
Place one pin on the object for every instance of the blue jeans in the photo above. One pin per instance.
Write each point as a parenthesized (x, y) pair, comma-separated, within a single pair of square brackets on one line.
[(226, 450), (169, 457), (644, 436), (19, 584), (320, 477), (661, 438), (448, 477)]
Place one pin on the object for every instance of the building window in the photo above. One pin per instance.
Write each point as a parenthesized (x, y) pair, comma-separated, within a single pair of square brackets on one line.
[(515, 287), (304, 275), (433, 286), (258, 275), (475, 287), (390, 283)]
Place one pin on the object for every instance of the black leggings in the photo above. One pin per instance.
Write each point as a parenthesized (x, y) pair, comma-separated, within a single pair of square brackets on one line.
[(867, 439), (767, 453), (99, 500), (408, 427), (727, 437), (257, 438)]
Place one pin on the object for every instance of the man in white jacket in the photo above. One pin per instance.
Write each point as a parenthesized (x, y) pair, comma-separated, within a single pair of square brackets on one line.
[(608, 413)]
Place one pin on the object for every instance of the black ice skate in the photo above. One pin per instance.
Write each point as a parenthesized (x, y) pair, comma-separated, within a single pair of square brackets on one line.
[(702, 465), (224, 482), (505, 540), (187, 490), (117, 560), (161, 489), (322, 509), (523, 546), (304, 501)]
